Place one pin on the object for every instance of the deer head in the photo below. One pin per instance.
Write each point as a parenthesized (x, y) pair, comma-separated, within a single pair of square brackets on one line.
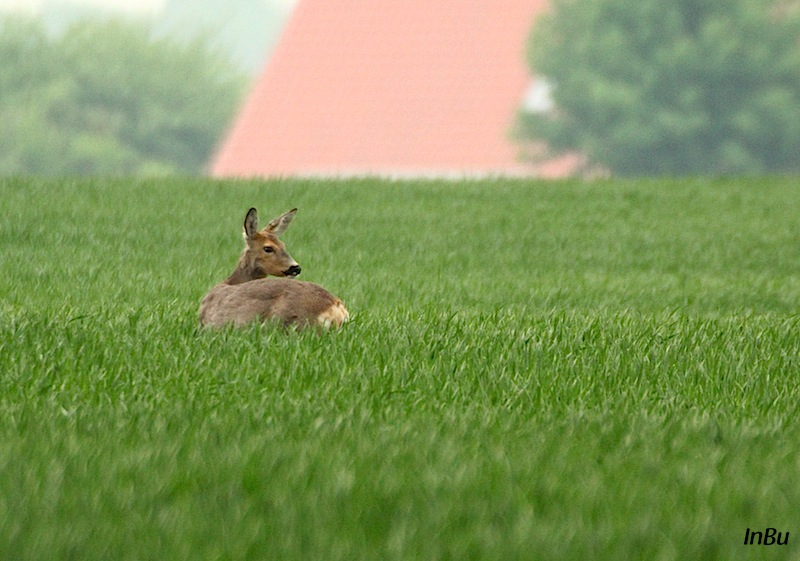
[(265, 254)]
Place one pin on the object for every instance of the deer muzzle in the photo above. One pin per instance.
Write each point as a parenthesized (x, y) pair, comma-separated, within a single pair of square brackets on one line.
[(292, 271)]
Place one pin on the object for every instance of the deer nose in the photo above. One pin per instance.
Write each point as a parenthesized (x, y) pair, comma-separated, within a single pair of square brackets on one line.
[(292, 271)]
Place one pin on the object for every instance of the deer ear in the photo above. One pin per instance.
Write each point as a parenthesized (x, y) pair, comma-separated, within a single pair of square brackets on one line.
[(251, 223), (278, 225)]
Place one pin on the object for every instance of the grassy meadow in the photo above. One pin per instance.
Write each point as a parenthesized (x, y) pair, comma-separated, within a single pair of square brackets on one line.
[(573, 370)]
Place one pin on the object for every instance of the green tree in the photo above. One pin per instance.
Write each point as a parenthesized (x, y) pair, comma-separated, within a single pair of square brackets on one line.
[(644, 87), (108, 98)]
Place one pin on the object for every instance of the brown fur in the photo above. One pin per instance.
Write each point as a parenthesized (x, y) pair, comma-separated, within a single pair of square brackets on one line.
[(246, 295)]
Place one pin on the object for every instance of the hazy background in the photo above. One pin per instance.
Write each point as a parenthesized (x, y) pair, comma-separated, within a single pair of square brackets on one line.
[(246, 29), (114, 88), (632, 87)]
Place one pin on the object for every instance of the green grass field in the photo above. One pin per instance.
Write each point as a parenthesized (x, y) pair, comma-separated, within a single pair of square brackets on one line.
[(590, 371)]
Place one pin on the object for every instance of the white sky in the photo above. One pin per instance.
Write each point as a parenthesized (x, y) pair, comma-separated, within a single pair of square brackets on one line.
[(31, 6), (133, 6)]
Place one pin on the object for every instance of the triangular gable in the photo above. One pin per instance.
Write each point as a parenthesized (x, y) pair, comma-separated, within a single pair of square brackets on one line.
[(408, 87)]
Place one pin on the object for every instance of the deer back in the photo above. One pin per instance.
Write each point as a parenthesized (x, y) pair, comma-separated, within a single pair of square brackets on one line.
[(289, 302)]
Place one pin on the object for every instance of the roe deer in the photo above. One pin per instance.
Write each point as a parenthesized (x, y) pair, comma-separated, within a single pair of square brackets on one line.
[(247, 295)]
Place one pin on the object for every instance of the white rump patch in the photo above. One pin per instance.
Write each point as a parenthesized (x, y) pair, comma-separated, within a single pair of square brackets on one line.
[(334, 316)]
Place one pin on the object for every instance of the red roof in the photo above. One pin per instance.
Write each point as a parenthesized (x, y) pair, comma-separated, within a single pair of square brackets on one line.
[(390, 87)]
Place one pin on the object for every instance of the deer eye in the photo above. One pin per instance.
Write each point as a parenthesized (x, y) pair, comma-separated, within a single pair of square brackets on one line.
[(268, 249)]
